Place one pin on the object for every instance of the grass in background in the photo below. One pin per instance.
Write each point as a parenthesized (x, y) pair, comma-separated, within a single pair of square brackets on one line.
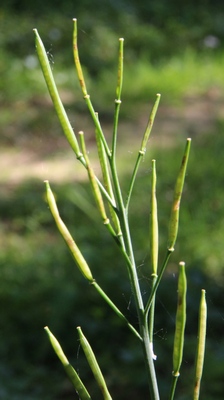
[(189, 75), (22, 86), (178, 77)]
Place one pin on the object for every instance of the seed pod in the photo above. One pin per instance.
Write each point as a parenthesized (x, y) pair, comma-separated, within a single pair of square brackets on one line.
[(90, 356), (154, 223), (77, 255), (180, 321), (201, 344), (120, 70), (59, 108), (94, 185), (107, 181), (149, 125), (72, 374), (77, 61), (174, 218), (84, 88)]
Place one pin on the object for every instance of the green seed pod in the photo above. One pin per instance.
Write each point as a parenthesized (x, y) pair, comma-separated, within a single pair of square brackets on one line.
[(120, 70), (77, 255), (149, 125), (180, 321), (57, 347), (90, 356), (174, 218), (201, 344), (72, 374), (154, 223), (59, 108)]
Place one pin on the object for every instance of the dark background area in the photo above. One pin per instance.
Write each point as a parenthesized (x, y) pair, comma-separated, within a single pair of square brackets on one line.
[(39, 284)]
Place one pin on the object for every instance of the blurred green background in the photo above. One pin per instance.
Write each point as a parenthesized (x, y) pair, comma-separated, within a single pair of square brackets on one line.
[(172, 49)]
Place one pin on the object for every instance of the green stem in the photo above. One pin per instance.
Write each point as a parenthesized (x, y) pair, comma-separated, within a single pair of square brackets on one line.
[(151, 317), (115, 309), (132, 182), (155, 287), (107, 182), (97, 124), (106, 195), (173, 387), (153, 386), (143, 323), (142, 150)]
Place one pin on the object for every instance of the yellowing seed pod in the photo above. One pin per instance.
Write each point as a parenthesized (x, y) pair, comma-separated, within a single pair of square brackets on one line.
[(76, 253), (201, 344), (77, 61), (59, 108)]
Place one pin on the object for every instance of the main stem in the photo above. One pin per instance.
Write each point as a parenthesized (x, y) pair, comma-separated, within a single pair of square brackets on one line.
[(143, 323)]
